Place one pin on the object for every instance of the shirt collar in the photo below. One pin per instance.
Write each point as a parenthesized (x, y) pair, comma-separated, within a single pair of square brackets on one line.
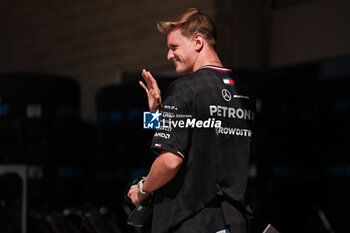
[(216, 68)]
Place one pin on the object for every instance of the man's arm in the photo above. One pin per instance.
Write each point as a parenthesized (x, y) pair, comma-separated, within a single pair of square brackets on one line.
[(164, 169)]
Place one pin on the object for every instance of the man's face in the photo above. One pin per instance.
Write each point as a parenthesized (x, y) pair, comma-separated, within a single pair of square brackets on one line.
[(181, 51)]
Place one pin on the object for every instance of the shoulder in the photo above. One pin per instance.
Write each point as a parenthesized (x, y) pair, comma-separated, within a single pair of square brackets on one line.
[(181, 86), (243, 86)]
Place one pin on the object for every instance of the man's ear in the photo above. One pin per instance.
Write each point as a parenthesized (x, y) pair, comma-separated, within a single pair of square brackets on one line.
[(199, 42)]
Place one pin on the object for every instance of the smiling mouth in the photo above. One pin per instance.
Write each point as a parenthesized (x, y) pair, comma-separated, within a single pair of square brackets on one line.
[(176, 61)]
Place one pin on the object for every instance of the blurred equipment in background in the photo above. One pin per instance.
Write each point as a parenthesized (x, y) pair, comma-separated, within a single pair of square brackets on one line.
[(13, 198)]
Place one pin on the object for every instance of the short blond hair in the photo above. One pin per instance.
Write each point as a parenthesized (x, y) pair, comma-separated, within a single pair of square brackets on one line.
[(191, 22)]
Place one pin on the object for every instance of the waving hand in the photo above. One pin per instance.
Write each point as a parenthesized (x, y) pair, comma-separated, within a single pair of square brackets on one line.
[(152, 91)]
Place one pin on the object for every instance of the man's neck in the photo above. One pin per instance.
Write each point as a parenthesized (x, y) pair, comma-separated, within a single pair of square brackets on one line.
[(206, 58)]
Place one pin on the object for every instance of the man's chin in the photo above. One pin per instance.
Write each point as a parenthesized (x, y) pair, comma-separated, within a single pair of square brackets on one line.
[(182, 71)]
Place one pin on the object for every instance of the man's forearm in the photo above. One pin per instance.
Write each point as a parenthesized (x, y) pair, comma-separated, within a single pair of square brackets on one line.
[(163, 169)]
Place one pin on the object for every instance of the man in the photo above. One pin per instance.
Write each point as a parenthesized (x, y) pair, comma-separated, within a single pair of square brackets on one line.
[(200, 174)]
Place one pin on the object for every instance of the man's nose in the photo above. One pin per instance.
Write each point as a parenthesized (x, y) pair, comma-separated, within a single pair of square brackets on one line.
[(170, 55)]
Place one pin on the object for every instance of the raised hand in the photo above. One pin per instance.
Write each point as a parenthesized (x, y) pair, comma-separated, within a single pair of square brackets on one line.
[(152, 90)]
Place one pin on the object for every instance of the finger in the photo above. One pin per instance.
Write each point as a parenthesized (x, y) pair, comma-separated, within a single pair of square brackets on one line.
[(144, 87), (151, 78), (146, 77), (144, 73), (154, 83)]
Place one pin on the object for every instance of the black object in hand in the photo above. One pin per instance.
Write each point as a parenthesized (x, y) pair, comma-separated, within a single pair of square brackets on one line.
[(142, 212)]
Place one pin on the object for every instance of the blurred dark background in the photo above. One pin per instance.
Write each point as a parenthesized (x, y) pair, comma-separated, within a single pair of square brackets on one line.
[(71, 135)]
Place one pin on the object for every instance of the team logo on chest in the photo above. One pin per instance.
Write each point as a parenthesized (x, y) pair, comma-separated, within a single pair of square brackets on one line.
[(226, 94)]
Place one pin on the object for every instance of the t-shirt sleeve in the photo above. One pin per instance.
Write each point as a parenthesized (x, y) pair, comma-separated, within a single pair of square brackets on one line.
[(173, 135)]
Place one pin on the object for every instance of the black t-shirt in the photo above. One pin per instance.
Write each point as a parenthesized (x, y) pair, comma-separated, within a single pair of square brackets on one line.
[(207, 119)]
